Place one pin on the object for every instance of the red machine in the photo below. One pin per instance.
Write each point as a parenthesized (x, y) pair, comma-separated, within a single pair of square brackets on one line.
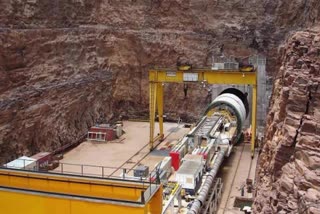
[(178, 152)]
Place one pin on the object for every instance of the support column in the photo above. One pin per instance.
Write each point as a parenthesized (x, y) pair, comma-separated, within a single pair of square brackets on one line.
[(160, 108), (152, 109), (253, 118), (179, 199)]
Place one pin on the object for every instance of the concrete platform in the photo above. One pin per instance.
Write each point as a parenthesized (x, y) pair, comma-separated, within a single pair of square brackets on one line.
[(133, 149), (104, 159), (235, 171)]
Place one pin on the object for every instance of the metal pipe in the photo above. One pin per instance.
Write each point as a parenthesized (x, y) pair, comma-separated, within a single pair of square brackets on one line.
[(200, 200)]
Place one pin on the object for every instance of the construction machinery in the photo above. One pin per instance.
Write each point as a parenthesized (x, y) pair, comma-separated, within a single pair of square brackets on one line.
[(196, 159), (214, 135), (159, 77)]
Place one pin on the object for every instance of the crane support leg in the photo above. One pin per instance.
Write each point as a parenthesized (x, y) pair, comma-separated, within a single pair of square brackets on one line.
[(160, 108), (155, 103), (152, 106), (254, 118)]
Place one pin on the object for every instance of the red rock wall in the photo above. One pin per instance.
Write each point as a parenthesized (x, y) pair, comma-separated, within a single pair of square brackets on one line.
[(64, 65), (289, 168), (54, 84)]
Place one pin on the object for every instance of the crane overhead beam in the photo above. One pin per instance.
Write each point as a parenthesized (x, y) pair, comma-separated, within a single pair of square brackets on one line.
[(236, 77)]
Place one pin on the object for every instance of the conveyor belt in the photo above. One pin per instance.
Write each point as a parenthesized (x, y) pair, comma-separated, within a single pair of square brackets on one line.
[(207, 125)]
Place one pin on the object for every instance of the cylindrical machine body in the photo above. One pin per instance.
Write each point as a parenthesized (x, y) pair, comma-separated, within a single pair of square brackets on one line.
[(233, 101), (231, 105)]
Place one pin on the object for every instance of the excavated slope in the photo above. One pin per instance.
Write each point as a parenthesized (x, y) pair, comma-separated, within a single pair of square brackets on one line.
[(65, 65), (289, 168)]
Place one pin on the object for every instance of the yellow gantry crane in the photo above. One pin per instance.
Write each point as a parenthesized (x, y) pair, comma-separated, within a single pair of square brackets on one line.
[(157, 78)]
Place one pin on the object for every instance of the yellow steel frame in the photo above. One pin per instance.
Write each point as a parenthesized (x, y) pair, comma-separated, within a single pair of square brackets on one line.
[(53, 193), (157, 77), (71, 185), (13, 202)]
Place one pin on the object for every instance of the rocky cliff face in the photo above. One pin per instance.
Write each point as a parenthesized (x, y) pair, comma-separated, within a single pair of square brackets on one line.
[(289, 168), (65, 65)]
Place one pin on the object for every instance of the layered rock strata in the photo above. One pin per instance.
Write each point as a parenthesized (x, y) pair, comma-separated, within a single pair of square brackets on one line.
[(65, 65), (289, 168)]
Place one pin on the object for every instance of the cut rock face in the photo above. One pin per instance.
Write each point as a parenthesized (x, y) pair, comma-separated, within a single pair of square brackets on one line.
[(289, 169), (66, 65)]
